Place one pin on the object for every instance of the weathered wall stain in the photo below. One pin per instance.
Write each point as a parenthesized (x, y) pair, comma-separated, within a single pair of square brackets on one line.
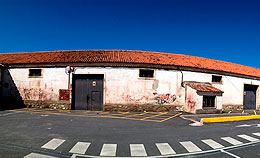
[(37, 94)]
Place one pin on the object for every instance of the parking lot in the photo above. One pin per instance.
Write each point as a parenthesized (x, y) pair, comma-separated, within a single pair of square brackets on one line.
[(139, 116)]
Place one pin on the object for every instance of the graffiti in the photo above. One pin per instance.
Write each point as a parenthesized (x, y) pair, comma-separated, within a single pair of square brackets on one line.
[(164, 98), (191, 103)]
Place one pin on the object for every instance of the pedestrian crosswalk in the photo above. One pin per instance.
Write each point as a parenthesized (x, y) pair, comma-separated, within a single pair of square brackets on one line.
[(139, 150), (80, 148), (108, 150), (231, 140), (165, 149), (212, 144), (53, 144)]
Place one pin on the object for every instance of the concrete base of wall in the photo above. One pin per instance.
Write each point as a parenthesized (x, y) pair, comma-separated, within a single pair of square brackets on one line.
[(233, 108), (142, 108), (209, 111), (47, 104)]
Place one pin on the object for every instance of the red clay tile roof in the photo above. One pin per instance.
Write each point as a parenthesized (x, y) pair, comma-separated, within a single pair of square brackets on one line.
[(126, 56), (203, 87)]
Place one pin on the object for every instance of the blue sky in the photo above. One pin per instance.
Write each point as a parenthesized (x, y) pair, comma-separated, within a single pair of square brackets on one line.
[(227, 30)]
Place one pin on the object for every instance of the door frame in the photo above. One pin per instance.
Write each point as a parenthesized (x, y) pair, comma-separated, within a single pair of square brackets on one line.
[(88, 73), (257, 94)]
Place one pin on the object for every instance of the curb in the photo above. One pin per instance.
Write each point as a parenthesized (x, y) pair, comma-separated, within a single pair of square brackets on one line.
[(227, 119)]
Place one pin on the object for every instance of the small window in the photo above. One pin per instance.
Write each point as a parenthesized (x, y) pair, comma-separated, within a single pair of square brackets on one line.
[(216, 79), (35, 72), (209, 101), (146, 73)]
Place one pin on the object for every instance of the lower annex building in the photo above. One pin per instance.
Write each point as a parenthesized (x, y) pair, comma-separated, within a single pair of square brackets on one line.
[(126, 80)]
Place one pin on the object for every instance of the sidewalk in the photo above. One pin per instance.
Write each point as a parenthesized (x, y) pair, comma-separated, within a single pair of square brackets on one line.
[(199, 119)]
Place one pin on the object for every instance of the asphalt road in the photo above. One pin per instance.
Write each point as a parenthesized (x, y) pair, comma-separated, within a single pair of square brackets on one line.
[(26, 133)]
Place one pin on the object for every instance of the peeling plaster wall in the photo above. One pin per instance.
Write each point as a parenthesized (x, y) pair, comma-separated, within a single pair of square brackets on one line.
[(44, 88), (124, 86)]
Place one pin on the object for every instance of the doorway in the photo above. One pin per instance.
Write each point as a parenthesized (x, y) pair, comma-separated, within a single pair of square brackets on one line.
[(87, 91), (209, 101), (250, 96)]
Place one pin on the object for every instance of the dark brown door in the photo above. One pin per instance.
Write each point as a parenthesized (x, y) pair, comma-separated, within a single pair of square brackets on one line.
[(250, 96), (87, 91)]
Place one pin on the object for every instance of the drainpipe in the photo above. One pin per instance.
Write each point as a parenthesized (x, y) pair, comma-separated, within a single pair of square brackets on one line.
[(68, 71), (182, 83)]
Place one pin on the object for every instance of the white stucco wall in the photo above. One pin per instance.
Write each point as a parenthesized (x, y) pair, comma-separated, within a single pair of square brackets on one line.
[(123, 86), (233, 87), (45, 87)]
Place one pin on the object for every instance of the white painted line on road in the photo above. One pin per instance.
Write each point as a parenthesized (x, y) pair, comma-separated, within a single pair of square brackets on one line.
[(36, 155), (137, 150), (53, 144), (231, 140), (245, 125), (212, 143), (80, 148), (177, 155), (230, 154), (108, 150), (165, 148), (188, 145), (10, 113), (249, 138), (257, 134)]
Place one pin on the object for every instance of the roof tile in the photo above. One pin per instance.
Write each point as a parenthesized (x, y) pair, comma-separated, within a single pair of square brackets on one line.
[(203, 87), (126, 56)]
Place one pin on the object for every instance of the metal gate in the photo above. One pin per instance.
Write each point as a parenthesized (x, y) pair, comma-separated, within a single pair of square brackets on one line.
[(87, 91), (250, 96)]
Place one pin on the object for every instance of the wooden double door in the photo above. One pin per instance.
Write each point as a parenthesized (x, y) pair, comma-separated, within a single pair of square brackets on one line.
[(87, 91)]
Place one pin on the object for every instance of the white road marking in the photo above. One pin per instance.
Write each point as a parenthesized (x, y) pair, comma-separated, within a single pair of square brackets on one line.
[(36, 155), (53, 144), (188, 145), (165, 148), (80, 148), (257, 134), (233, 155), (245, 125), (108, 150), (137, 150), (10, 113), (231, 140), (183, 154), (246, 137), (212, 143)]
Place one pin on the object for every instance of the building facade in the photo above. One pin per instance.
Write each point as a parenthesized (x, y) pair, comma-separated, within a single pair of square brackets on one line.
[(118, 80)]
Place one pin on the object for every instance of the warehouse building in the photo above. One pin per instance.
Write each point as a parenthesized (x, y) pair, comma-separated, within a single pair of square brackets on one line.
[(126, 80)]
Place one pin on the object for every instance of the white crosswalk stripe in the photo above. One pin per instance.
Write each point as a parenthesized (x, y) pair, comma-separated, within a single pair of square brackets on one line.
[(36, 155), (246, 137), (212, 143), (257, 134), (137, 150), (53, 144), (80, 148), (188, 145), (231, 140), (165, 148), (108, 150)]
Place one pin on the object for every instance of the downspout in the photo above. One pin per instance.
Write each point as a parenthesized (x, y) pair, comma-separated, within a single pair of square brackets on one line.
[(182, 82)]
